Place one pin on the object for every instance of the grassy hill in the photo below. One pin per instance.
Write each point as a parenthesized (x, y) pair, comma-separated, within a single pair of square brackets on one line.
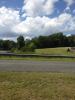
[(54, 51)]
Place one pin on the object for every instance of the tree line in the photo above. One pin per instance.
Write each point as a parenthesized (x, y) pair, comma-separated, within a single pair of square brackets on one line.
[(54, 40), (51, 41)]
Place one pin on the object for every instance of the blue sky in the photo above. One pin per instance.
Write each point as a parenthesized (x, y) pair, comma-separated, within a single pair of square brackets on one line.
[(32, 18), (12, 3)]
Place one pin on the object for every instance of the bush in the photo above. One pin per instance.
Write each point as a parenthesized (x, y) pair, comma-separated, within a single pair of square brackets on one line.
[(29, 48)]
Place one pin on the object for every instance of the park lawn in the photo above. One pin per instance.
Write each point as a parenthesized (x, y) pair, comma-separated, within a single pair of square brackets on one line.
[(55, 51), (37, 86)]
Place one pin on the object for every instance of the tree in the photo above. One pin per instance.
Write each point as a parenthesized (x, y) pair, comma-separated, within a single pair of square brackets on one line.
[(20, 42), (54, 40), (31, 47), (1, 44)]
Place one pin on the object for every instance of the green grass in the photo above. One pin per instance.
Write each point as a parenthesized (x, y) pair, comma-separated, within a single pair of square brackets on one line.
[(37, 86), (54, 51), (37, 59), (51, 51)]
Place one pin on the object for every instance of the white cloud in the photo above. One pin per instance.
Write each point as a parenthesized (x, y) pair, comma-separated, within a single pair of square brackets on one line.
[(69, 2), (12, 26), (32, 27), (67, 9), (38, 7), (8, 19), (68, 35)]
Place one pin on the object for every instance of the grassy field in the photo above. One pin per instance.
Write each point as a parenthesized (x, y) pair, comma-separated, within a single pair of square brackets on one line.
[(51, 51), (37, 86), (54, 51)]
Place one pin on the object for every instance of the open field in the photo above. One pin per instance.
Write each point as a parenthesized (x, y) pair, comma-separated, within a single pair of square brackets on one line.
[(54, 51), (51, 51), (60, 54), (37, 86)]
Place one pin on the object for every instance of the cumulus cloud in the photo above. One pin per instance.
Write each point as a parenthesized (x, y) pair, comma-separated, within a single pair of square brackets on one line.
[(8, 19), (44, 26), (36, 21), (38, 7), (69, 2)]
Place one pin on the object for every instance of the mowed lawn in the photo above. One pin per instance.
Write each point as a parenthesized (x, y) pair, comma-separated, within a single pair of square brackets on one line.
[(55, 51), (37, 86)]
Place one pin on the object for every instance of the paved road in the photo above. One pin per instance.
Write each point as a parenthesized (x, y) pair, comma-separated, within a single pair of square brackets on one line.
[(21, 65)]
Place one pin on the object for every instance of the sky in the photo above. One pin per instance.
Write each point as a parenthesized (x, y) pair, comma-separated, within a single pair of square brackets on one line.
[(32, 18)]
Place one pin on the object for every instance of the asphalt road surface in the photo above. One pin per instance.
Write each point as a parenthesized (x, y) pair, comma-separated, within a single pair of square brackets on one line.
[(37, 66)]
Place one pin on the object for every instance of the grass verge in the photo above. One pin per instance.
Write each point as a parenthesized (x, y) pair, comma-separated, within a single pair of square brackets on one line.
[(37, 59), (37, 86)]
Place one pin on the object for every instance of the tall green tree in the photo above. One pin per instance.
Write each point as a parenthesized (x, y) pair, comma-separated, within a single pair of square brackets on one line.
[(20, 42)]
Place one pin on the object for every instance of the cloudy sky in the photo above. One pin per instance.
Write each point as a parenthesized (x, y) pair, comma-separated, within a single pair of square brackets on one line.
[(32, 18)]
